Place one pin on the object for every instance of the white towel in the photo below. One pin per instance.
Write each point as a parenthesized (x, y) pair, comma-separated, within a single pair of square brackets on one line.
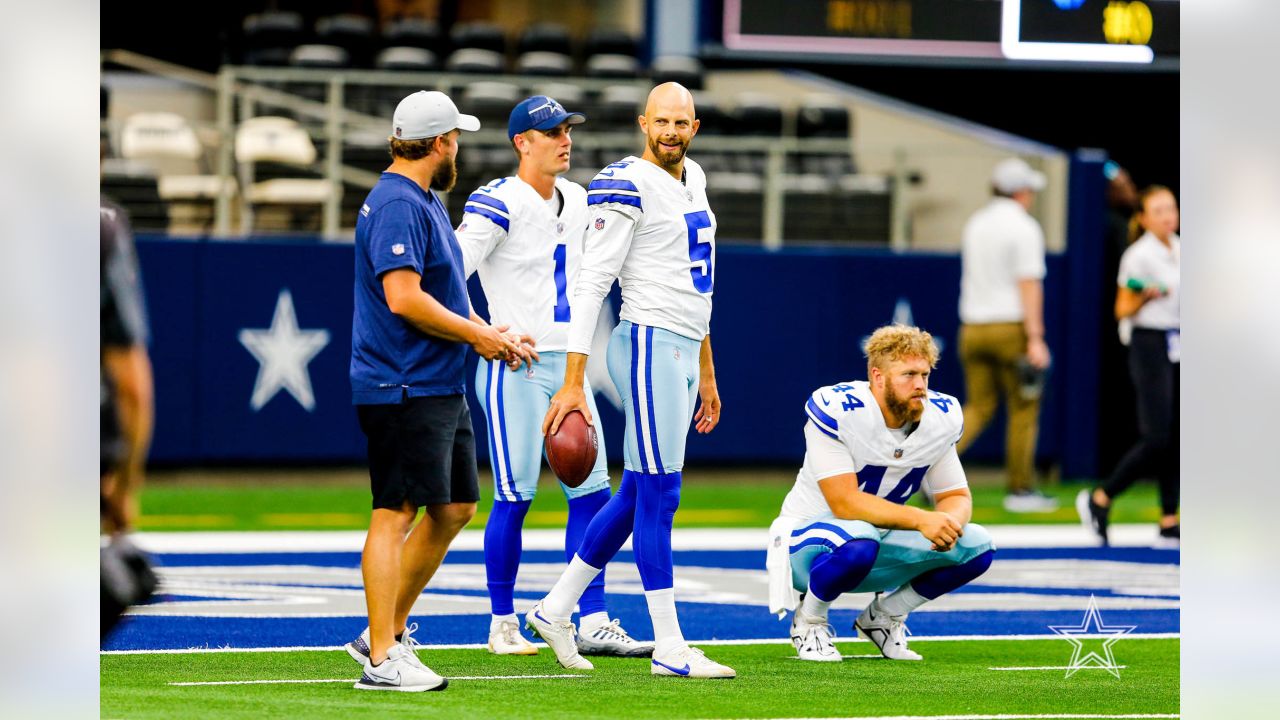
[(783, 595)]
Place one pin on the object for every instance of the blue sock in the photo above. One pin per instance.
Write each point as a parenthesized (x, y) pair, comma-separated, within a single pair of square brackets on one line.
[(502, 548), (611, 526), (657, 497), (945, 579), (834, 574), (581, 511)]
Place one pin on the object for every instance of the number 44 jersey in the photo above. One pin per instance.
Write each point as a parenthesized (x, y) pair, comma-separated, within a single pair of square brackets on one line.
[(656, 235), (527, 255), (846, 433)]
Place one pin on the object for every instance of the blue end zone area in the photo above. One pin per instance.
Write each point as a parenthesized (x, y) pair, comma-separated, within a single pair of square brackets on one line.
[(721, 620)]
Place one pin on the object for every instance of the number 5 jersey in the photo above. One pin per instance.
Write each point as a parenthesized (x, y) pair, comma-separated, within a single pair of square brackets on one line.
[(656, 235)]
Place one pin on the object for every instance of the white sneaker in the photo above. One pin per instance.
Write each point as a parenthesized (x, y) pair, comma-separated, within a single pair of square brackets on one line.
[(402, 672), (560, 635), (689, 662), (814, 640), (611, 639), (1030, 502), (359, 650), (507, 640), (888, 632)]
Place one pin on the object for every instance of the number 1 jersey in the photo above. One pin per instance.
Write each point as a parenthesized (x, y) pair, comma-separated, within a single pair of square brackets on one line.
[(656, 235)]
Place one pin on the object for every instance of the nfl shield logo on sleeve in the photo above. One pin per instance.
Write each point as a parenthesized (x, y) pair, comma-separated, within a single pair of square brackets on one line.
[(897, 453), (599, 223), (397, 249)]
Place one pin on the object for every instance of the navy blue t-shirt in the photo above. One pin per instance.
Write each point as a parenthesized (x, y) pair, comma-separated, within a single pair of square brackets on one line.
[(403, 226)]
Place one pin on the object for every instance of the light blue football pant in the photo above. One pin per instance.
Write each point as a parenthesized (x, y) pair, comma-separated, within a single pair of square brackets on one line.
[(515, 404), (656, 373), (904, 554)]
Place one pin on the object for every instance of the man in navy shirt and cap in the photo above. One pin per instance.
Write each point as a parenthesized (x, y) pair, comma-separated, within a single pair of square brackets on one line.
[(410, 331)]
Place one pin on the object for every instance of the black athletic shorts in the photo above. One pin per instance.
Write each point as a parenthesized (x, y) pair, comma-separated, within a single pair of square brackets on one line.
[(422, 450)]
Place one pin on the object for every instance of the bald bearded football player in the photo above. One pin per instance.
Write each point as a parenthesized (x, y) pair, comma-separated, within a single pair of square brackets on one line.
[(845, 526)]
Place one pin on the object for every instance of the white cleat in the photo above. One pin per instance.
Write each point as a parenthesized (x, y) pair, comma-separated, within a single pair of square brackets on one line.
[(888, 632), (507, 640), (358, 649), (560, 635), (689, 662), (611, 639), (402, 671), (814, 640)]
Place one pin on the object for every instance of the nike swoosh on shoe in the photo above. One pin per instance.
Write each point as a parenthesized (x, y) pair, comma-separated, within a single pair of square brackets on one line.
[(679, 671)]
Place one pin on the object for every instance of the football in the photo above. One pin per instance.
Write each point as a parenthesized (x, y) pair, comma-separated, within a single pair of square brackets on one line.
[(571, 450)]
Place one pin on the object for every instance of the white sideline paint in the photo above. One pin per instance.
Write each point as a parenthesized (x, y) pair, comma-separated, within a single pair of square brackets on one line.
[(1005, 536), (1063, 667), (348, 680), (760, 641)]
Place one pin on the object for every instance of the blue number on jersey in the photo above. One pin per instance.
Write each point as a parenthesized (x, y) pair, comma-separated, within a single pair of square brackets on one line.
[(842, 388), (562, 300), (870, 477), (699, 251), (851, 402), (496, 183), (611, 167), (943, 403)]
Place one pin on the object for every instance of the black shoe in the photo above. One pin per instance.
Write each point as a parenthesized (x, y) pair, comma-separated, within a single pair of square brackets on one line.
[(1092, 515), (1172, 532)]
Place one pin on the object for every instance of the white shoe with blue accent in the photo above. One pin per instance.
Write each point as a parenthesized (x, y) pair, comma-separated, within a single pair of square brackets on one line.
[(689, 662), (560, 636), (358, 649), (888, 632)]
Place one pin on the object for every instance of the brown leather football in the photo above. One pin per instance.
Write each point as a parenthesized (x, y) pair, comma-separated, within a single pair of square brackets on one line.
[(571, 450)]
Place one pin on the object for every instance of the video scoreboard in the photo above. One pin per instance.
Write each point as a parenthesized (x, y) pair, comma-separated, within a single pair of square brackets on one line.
[(1134, 31)]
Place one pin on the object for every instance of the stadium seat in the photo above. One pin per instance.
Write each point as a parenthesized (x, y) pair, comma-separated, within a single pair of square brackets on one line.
[(677, 68), (611, 65), (490, 101), (545, 37), (712, 119), (320, 56), (403, 57), (413, 32), (548, 64), (168, 146), (823, 116), (269, 37), (602, 41), (354, 33), (757, 114), (475, 61), (282, 142), (567, 94), (479, 36), (619, 106)]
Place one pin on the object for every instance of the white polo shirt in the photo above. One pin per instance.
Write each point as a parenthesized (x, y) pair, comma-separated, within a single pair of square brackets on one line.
[(1151, 261), (1001, 245)]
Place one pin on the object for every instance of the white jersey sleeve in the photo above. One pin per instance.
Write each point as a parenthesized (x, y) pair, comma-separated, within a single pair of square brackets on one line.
[(945, 475), (527, 256), (667, 273), (605, 249)]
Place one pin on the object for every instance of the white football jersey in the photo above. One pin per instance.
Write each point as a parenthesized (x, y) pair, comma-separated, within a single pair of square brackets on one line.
[(846, 419), (527, 256), (656, 236)]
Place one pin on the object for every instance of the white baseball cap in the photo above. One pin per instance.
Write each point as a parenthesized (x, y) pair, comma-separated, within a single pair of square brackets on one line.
[(1012, 175), (428, 113)]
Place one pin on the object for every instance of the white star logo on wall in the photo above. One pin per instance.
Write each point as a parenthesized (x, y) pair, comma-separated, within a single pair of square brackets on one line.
[(1091, 627), (283, 352), (902, 315)]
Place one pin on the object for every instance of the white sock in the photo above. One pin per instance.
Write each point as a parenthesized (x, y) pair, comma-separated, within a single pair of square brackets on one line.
[(902, 601), (814, 608), (558, 604), (589, 623), (499, 619), (666, 626)]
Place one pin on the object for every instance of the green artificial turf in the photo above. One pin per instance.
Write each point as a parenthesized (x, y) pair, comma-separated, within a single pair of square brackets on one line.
[(954, 678)]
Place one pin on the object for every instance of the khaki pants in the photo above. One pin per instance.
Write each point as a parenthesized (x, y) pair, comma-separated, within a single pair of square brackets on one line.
[(989, 354)]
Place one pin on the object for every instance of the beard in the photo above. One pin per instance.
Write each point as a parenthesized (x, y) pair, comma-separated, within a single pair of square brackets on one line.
[(665, 158), (445, 175), (900, 407)]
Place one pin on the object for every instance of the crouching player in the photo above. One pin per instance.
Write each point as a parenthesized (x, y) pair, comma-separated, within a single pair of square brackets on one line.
[(845, 526)]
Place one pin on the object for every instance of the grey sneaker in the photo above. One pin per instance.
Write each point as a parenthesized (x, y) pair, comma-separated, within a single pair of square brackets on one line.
[(400, 672), (611, 639)]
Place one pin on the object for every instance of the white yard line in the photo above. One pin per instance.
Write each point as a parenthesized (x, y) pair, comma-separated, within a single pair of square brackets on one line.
[(1005, 536), (348, 680), (757, 641), (1020, 716), (1062, 667)]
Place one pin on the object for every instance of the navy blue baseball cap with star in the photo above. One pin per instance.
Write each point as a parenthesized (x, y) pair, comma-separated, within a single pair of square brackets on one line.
[(539, 113)]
